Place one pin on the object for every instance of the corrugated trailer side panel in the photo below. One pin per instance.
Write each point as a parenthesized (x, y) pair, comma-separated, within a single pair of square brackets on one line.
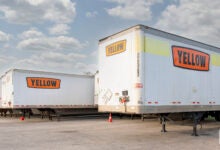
[(34, 89), (169, 85)]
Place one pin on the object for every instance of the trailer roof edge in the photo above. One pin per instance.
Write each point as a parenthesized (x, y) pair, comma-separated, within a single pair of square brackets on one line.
[(46, 72), (164, 34)]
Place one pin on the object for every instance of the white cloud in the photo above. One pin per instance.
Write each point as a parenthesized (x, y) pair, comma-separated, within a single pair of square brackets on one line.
[(4, 37), (59, 43), (57, 62), (6, 63), (34, 2), (91, 14), (197, 19), (86, 68), (94, 53), (59, 29), (31, 33), (130, 9), (51, 61), (4, 59), (60, 57), (37, 11)]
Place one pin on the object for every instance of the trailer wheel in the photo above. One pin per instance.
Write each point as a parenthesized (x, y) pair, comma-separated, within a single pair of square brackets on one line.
[(217, 116)]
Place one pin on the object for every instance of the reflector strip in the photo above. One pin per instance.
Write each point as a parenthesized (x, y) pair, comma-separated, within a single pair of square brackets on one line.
[(138, 85)]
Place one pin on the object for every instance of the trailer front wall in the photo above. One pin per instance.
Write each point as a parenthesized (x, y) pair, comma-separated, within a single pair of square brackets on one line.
[(114, 72), (7, 90), (119, 73)]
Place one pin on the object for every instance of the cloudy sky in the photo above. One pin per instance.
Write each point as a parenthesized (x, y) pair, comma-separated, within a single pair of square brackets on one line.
[(62, 35)]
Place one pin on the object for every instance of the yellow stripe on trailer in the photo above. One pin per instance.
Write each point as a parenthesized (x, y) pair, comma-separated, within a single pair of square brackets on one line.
[(157, 47), (215, 59)]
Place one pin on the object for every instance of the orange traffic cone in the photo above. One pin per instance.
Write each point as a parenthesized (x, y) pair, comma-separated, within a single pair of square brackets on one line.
[(110, 118), (22, 118)]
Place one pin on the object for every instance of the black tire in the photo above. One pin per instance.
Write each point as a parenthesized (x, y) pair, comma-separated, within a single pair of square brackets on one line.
[(217, 116)]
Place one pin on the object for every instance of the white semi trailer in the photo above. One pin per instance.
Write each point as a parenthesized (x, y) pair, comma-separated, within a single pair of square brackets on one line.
[(46, 91), (143, 70)]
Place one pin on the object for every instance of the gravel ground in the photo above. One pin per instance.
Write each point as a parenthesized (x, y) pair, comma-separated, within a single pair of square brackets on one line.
[(96, 133)]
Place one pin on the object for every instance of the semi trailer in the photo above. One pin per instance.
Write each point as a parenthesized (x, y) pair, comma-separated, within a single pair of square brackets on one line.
[(143, 70), (31, 91)]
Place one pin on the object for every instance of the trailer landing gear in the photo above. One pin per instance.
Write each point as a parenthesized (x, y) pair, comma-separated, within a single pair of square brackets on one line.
[(197, 116), (163, 122)]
